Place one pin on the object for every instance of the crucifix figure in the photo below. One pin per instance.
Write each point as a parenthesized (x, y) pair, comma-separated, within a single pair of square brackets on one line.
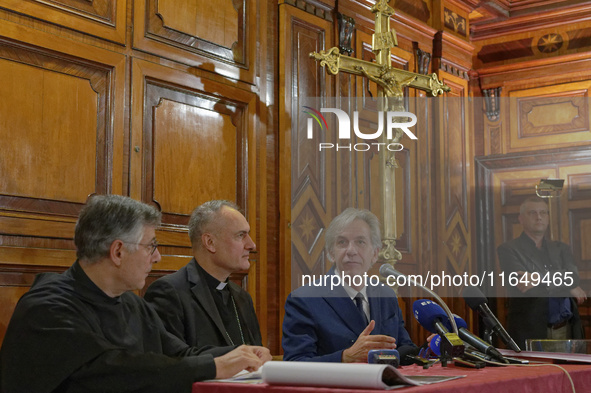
[(392, 82)]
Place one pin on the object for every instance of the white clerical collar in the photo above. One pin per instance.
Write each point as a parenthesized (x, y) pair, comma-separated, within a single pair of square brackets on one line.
[(221, 286)]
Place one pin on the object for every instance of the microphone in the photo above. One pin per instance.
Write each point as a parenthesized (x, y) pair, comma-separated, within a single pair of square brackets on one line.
[(431, 316), (476, 300), (435, 345), (386, 270), (470, 338)]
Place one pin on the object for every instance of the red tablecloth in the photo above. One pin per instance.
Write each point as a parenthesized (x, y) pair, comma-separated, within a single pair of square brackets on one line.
[(539, 379)]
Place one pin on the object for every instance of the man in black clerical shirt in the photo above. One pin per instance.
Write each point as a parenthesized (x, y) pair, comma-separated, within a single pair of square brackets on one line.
[(198, 303), (85, 331), (547, 310)]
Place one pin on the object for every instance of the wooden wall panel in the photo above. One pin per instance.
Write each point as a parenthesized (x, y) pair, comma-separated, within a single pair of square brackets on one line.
[(180, 131), (454, 177), (61, 112), (100, 18), (56, 116), (215, 36), (307, 197), (223, 24), (551, 116), (184, 127), (62, 136)]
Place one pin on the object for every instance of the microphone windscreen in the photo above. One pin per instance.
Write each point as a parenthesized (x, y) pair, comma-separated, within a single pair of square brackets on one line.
[(427, 312), (435, 345), (473, 297), (460, 323)]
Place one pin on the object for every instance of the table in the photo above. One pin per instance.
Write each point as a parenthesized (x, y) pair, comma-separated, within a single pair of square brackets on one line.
[(539, 379)]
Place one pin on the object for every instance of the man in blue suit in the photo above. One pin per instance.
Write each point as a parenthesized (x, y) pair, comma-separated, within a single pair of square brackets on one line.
[(342, 324)]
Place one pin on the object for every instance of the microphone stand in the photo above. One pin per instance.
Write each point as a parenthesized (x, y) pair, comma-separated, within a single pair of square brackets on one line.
[(450, 340), (387, 269)]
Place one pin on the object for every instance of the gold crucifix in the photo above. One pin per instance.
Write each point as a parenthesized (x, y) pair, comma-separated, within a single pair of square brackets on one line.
[(392, 82)]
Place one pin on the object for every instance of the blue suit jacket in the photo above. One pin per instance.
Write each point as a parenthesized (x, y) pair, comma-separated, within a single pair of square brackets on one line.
[(319, 323)]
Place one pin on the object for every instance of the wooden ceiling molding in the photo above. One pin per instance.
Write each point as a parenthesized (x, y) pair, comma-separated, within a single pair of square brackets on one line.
[(495, 18)]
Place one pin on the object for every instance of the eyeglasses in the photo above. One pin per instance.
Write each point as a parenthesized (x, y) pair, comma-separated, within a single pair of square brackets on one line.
[(152, 246)]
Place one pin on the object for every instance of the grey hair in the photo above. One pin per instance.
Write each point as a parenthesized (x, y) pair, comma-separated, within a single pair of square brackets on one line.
[(345, 218), (107, 218), (203, 215), (531, 199)]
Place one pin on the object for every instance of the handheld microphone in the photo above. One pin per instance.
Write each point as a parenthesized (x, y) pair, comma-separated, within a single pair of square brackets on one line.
[(435, 345), (476, 300), (431, 316), (470, 338)]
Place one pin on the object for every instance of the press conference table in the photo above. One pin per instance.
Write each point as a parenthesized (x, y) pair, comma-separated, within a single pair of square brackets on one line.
[(539, 379)]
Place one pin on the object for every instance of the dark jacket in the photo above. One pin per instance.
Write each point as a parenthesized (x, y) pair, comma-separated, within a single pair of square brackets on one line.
[(187, 308), (527, 316)]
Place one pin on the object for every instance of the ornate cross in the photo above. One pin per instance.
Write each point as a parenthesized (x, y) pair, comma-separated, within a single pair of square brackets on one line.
[(392, 82)]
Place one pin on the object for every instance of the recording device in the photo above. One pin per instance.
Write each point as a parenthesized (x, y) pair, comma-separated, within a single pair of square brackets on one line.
[(384, 356), (431, 316), (476, 300), (471, 339), (475, 362)]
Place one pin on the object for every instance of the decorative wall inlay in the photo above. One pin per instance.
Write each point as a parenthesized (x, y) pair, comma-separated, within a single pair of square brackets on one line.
[(454, 22), (552, 115), (550, 43), (578, 39), (506, 50)]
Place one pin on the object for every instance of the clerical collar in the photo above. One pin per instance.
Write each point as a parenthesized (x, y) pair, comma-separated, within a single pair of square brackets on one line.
[(212, 282), (221, 286)]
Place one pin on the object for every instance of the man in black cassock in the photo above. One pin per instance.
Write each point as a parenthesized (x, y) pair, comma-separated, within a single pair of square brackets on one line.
[(198, 303), (85, 331)]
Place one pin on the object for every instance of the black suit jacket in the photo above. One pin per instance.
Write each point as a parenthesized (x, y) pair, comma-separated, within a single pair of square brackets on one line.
[(528, 313), (185, 305)]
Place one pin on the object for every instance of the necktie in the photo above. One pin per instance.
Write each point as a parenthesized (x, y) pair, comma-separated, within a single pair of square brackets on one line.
[(359, 303)]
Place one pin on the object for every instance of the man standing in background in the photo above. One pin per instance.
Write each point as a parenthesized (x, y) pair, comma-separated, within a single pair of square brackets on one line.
[(543, 311)]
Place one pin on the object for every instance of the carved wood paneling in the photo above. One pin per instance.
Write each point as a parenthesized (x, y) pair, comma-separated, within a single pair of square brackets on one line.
[(534, 42), (453, 178), (311, 171), (550, 116), (216, 36), (100, 18)]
